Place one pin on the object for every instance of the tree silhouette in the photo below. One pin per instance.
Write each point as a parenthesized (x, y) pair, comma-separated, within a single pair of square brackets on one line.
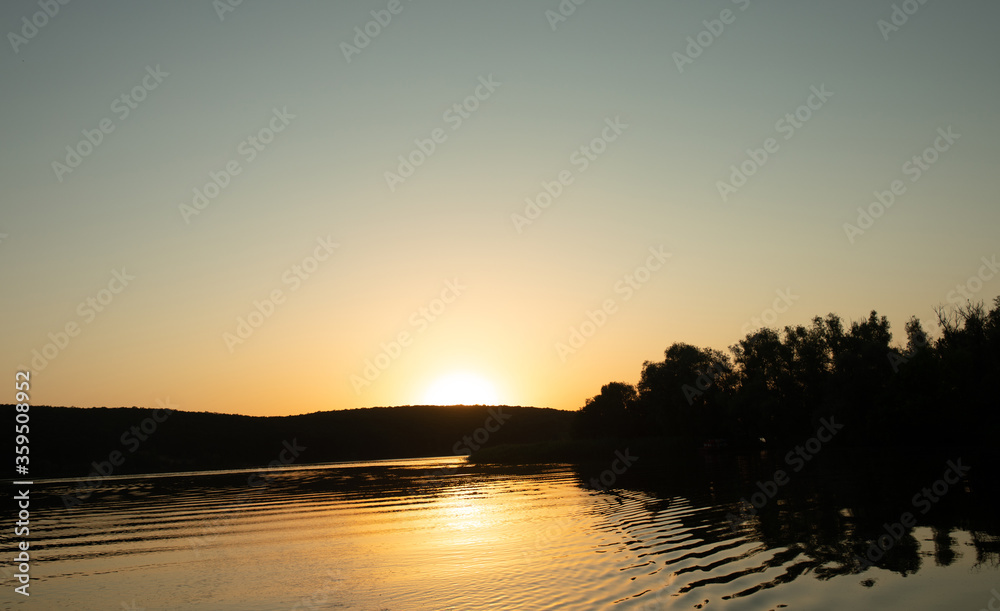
[(779, 384), (609, 413)]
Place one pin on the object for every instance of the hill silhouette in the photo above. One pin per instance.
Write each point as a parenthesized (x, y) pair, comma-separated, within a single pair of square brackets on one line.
[(778, 389), (73, 442)]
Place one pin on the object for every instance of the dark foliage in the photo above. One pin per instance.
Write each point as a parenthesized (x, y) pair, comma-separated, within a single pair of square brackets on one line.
[(778, 384), (66, 441)]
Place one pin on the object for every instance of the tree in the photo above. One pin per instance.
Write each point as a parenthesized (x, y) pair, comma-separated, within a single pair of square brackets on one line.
[(609, 413), (685, 393)]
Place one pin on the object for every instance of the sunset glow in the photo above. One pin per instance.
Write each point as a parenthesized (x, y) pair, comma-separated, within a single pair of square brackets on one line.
[(560, 200), (461, 389)]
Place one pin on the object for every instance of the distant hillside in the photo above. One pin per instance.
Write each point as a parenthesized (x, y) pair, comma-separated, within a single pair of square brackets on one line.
[(65, 441)]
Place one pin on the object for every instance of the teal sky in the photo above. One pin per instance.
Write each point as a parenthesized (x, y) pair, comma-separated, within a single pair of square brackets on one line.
[(324, 176)]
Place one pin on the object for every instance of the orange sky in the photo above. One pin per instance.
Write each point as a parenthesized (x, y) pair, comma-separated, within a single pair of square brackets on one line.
[(237, 215)]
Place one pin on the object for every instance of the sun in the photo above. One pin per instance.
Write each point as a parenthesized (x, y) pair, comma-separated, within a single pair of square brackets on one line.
[(461, 388)]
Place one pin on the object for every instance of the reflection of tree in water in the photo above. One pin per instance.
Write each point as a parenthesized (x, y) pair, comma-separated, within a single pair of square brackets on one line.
[(987, 549), (840, 530), (944, 543), (823, 522), (905, 410)]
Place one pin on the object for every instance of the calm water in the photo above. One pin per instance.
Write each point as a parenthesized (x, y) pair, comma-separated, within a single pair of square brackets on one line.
[(416, 534)]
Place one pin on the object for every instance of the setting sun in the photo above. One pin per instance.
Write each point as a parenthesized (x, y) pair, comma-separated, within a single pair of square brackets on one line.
[(461, 389)]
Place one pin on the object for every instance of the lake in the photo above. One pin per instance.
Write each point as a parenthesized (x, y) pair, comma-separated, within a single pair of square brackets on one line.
[(436, 533)]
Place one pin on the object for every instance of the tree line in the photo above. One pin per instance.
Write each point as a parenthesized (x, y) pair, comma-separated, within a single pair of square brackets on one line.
[(775, 385)]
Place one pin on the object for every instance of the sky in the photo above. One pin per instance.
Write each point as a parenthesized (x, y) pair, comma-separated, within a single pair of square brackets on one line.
[(280, 208)]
